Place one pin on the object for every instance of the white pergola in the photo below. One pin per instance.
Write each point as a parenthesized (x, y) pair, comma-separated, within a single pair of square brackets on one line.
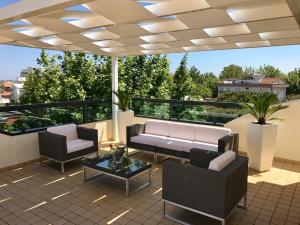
[(138, 27)]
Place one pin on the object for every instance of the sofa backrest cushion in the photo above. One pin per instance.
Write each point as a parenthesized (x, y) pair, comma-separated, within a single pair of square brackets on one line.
[(68, 130), (183, 131), (222, 161), (157, 127), (210, 134), (202, 158)]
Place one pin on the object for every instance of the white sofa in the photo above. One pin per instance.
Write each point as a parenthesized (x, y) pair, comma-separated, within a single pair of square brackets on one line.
[(177, 139)]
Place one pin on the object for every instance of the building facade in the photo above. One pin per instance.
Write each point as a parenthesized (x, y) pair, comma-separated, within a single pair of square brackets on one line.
[(258, 84)]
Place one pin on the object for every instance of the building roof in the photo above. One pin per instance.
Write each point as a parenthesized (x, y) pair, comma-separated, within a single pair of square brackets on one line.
[(7, 84), (137, 27), (272, 81), (6, 94)]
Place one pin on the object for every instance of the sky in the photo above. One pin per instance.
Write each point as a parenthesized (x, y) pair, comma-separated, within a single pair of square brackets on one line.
[(286, 58)]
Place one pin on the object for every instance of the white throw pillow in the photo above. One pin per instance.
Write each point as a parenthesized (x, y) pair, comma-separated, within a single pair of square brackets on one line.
[(69, 130), (222, 161)]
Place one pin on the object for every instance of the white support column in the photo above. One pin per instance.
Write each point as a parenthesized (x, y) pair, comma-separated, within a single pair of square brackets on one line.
[(114, 83)]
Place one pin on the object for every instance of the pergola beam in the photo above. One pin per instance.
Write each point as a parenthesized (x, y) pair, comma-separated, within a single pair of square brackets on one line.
[(32, 8), (294, 6)]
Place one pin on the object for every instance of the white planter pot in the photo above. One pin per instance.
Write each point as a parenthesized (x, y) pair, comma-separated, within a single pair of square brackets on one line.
[(124, 119), (261, 140)]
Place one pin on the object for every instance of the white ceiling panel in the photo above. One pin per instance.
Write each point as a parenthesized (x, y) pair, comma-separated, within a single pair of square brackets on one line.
[(132, 27), (120, 11), (227, 30), (165, 8), (253, 44), (209, 41), (205, 18), (163, 37)]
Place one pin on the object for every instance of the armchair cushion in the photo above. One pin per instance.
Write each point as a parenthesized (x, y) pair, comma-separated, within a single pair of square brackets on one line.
[(68, 130), (222, 161), (78, 144)]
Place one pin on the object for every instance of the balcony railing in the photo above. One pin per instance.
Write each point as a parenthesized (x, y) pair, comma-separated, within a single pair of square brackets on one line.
[(22, 119), (204, 112)]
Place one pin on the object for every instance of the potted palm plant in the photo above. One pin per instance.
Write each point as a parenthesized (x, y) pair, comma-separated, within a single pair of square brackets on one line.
[(125, 115), (262, 134)]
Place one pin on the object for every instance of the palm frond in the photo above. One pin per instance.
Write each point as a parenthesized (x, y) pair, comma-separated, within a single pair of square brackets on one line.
[(124, 99), (263, 108)]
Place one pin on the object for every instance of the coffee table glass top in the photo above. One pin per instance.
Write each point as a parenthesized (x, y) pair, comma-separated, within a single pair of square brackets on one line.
[(125, 167)]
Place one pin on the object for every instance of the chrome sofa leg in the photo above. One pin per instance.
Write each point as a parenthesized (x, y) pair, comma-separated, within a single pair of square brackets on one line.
[(62, 167), (155, 158), (245, 201), (244, 204)]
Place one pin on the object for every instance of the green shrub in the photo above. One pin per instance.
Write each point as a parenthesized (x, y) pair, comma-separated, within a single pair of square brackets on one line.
[(242, 97)]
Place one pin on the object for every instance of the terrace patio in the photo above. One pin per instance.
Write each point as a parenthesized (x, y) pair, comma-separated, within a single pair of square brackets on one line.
[(33, 193)]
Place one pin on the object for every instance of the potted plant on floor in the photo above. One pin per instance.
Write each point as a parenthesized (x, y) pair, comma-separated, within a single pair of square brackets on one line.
[(262, 134), (125, 115)]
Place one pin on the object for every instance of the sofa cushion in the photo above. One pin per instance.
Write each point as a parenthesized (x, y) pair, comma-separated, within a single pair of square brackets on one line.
[(204, 146), (157, 127), (202, 158), (210, 134), (222, 161), (175, 144), (147, 139), (78, 144), (68, 130), (183, 131)]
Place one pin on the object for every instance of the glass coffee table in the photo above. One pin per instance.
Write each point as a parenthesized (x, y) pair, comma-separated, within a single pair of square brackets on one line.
[(125, 169)]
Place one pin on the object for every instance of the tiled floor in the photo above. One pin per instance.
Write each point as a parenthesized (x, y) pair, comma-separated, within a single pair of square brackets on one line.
[(42, 195)]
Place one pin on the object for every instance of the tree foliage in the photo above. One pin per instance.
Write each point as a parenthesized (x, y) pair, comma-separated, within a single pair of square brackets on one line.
[(78, 76), (248, 72), (231, 71), (270, 71), (293, 79), (205, 85), (182, 81)]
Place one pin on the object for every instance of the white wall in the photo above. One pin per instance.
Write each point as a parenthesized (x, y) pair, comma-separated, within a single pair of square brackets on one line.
[(288, 144), (22, 148)]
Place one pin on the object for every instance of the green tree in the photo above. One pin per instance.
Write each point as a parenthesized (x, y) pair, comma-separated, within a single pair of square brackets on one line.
[(249, 71), (42, 84), (133, 75), (270, 71), (157, 70), (195, 74), (101, 81), (293, 80), (181, 81), (204, 85), (231, 71)]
